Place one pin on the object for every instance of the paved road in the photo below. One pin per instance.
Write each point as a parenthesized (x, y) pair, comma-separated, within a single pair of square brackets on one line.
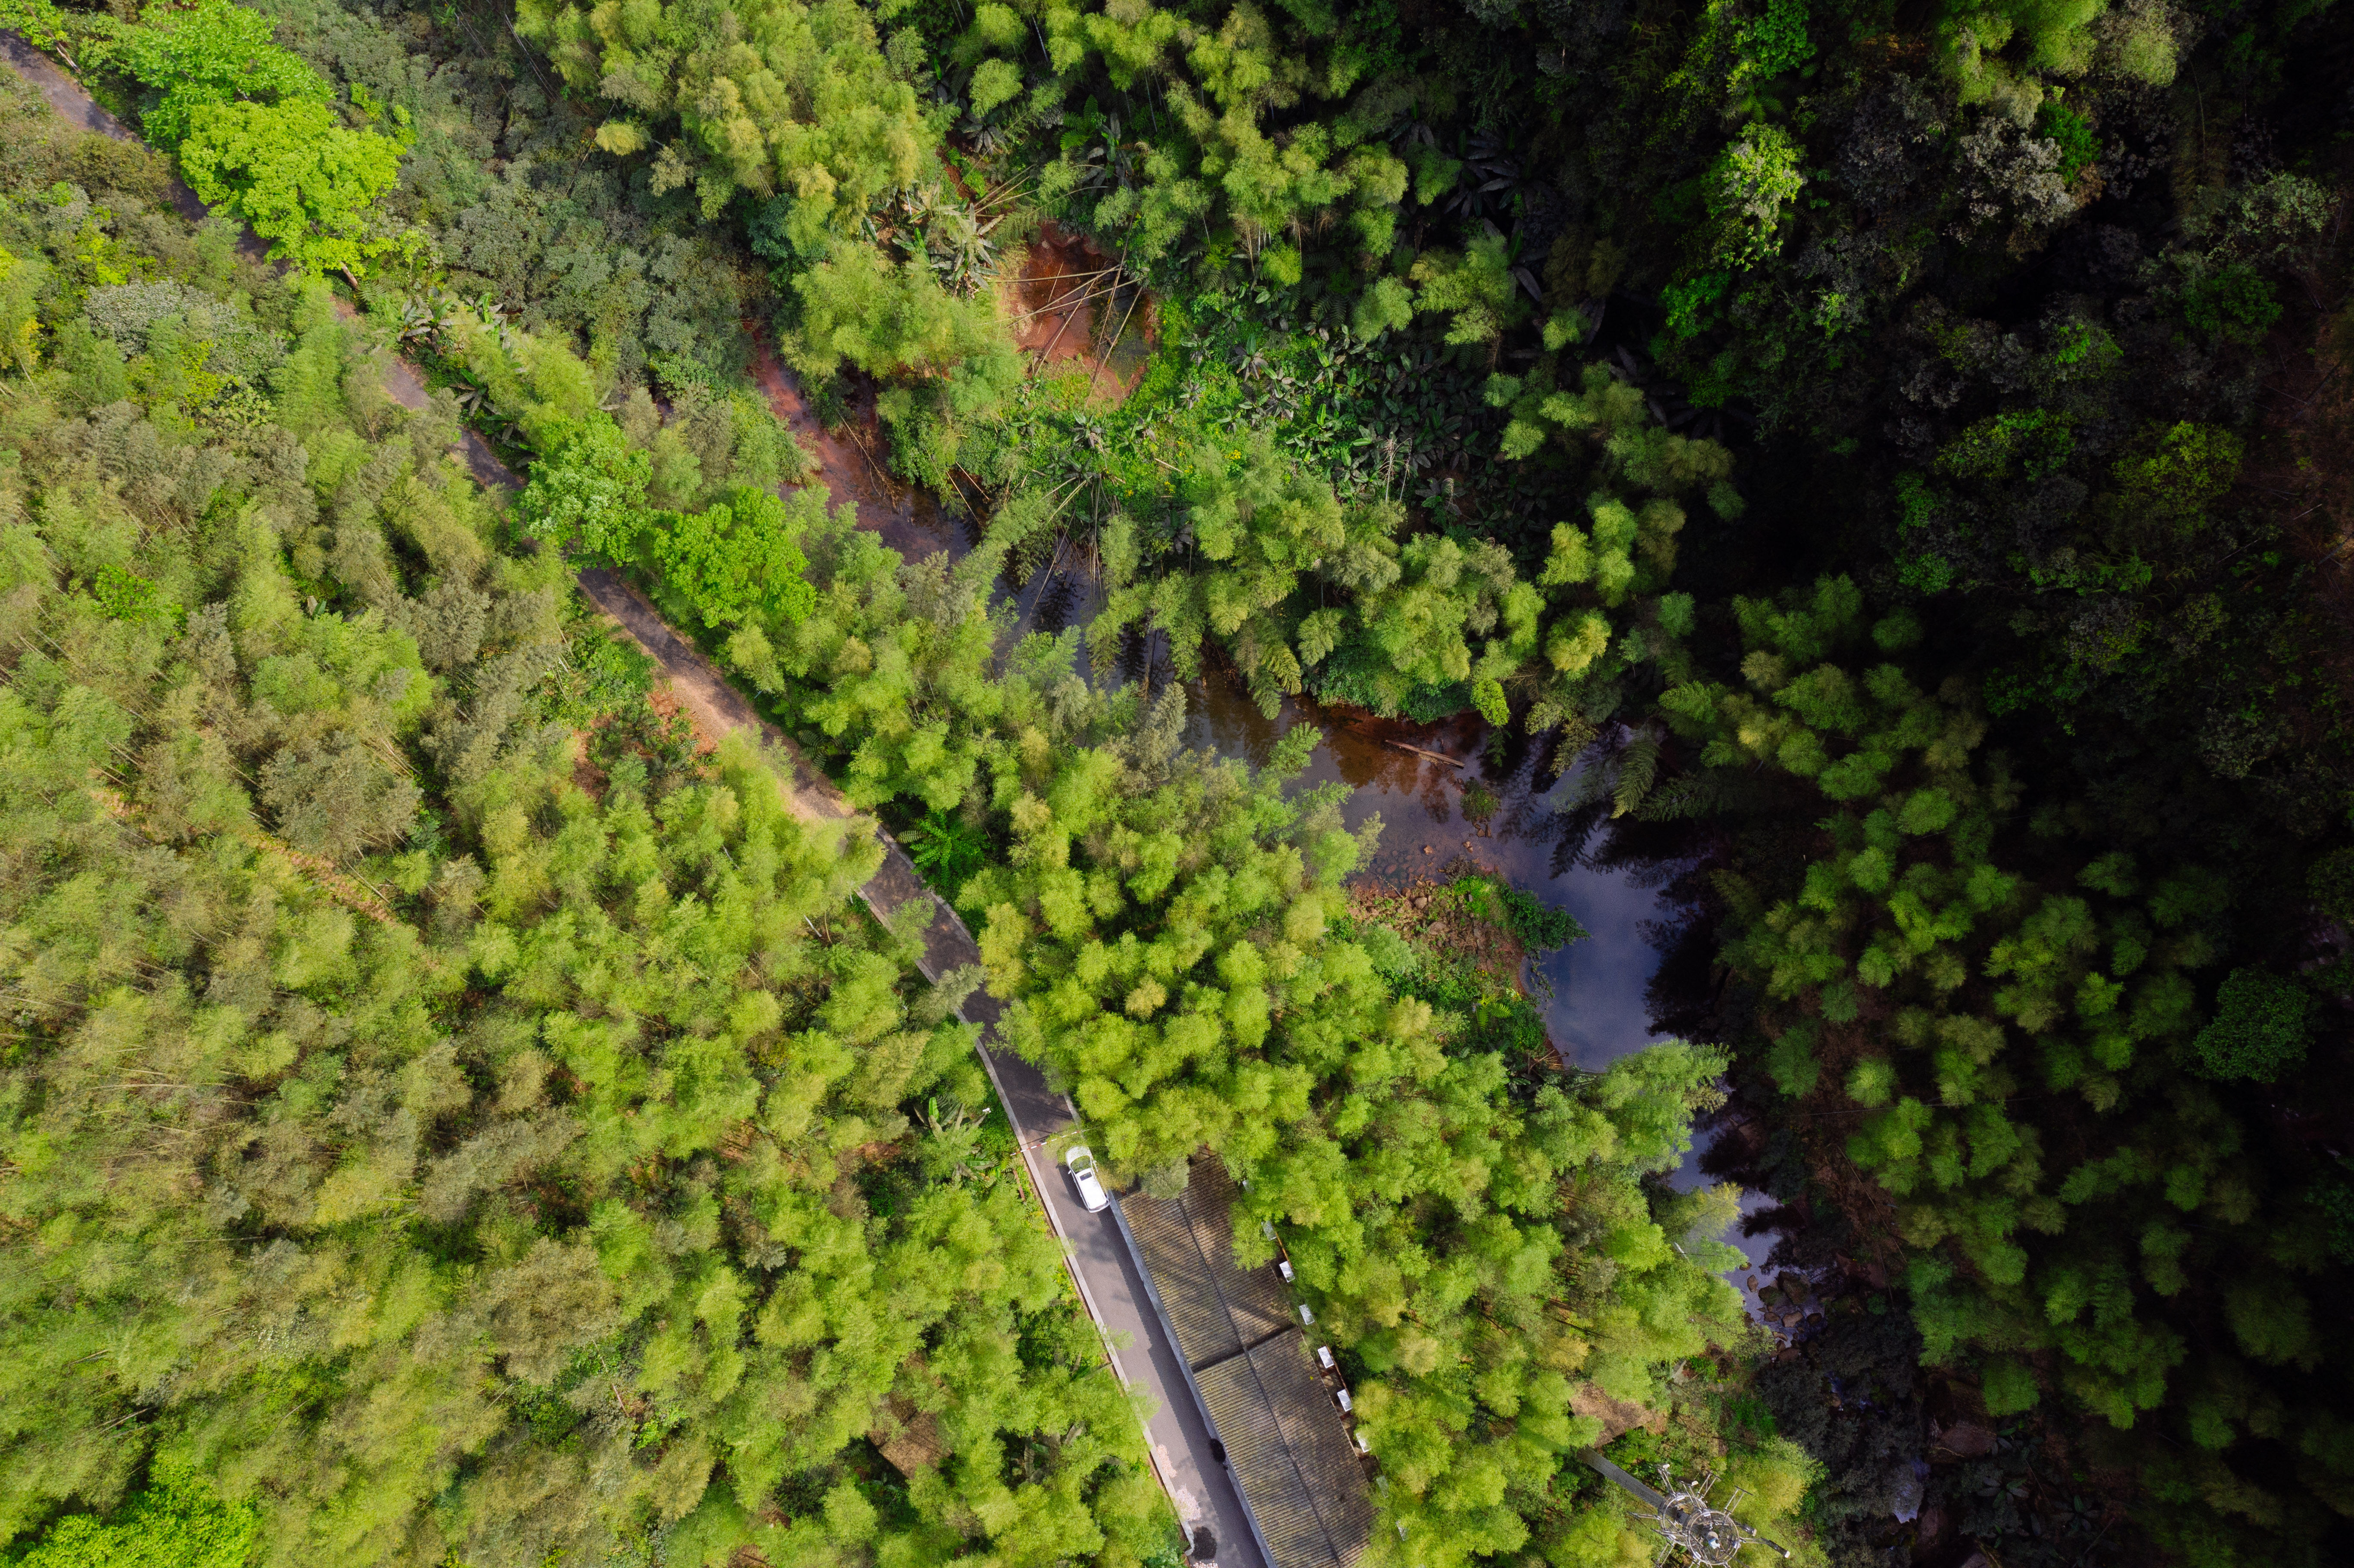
[(1203, 1490)]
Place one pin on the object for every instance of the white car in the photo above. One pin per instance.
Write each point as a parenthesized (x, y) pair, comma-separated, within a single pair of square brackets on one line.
[(1082, 1167)]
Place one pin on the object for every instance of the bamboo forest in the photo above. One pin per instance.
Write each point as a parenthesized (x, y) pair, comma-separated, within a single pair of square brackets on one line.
[(1176, 783)]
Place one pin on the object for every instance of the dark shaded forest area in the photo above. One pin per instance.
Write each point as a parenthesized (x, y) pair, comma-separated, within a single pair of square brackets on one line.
[(1888, 462)]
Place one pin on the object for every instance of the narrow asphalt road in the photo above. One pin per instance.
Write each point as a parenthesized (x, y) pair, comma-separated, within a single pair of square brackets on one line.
[(1179, 1434)]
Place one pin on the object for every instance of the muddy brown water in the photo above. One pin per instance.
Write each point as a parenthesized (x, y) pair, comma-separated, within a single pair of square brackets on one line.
[(853, 462), (1593, 993)]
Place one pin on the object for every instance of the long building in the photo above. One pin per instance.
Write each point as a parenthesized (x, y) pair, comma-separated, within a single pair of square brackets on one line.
[(1256, 1374)]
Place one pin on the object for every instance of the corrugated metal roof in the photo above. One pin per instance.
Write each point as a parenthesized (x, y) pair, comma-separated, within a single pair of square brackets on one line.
[(1237, 1331)]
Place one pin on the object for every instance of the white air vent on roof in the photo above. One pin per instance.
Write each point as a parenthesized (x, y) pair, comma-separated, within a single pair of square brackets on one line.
[(1283, 1267), (1324, 1355), (1305, 1314), (1343, 1397)]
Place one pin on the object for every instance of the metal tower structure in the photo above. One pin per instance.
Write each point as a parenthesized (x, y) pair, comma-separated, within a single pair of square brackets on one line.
[(1686, 1521)]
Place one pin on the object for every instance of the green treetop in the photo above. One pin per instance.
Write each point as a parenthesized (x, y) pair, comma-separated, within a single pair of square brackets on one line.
[(769, 97)]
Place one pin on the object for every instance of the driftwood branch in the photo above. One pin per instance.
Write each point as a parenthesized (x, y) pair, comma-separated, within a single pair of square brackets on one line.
[(1418, 751)]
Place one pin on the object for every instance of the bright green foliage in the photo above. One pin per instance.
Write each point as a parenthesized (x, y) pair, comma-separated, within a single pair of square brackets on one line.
[(20, 324), (1222, 81), (1438, 590), (295, 173), (1994, 52), (1750, 189), (1537, 927), (550, 395), (41, 24), (947, 850), (708, 443), (1386, 306), (214, 53), (174, 1522), (898, 665), (765, 96), (1163, 934), (1158, 1064), (2184, 470), (2067, 130), (1824, 207), (737, 561), (298, 175), (1775, 41), (126, 596), (591, 486), (1162, 930), (1477, 289), (607, 484), (1776, 1473), (901, 660), (1607, 581), (2259, 1027), (256, 129), (1604, 412), (444, 1161), (885, 318), (1259, 524), (1303, 590), (2034, 443)]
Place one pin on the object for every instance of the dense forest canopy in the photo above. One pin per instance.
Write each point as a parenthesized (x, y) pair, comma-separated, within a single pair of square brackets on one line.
[(1886, 462), (454, 1157)]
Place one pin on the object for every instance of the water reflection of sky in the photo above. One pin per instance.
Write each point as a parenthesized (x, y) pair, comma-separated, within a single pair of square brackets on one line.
[(1599, 1007), (1598, 1011)]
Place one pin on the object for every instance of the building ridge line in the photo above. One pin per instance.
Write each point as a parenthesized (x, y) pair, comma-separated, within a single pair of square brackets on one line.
[(1260, 1343)]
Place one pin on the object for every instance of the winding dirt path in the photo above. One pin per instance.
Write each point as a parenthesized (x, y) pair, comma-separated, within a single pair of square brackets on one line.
[(717, 707)]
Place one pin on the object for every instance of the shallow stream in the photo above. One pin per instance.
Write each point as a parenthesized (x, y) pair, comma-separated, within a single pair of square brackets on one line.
[(1594, 994)]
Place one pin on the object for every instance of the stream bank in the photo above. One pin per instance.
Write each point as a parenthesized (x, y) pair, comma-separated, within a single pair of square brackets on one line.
[(1595, 995)]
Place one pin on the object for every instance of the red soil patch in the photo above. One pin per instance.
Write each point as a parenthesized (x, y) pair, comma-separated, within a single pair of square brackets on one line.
[(585, 774), (845, 462), (1065, 283), (665, 701)]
